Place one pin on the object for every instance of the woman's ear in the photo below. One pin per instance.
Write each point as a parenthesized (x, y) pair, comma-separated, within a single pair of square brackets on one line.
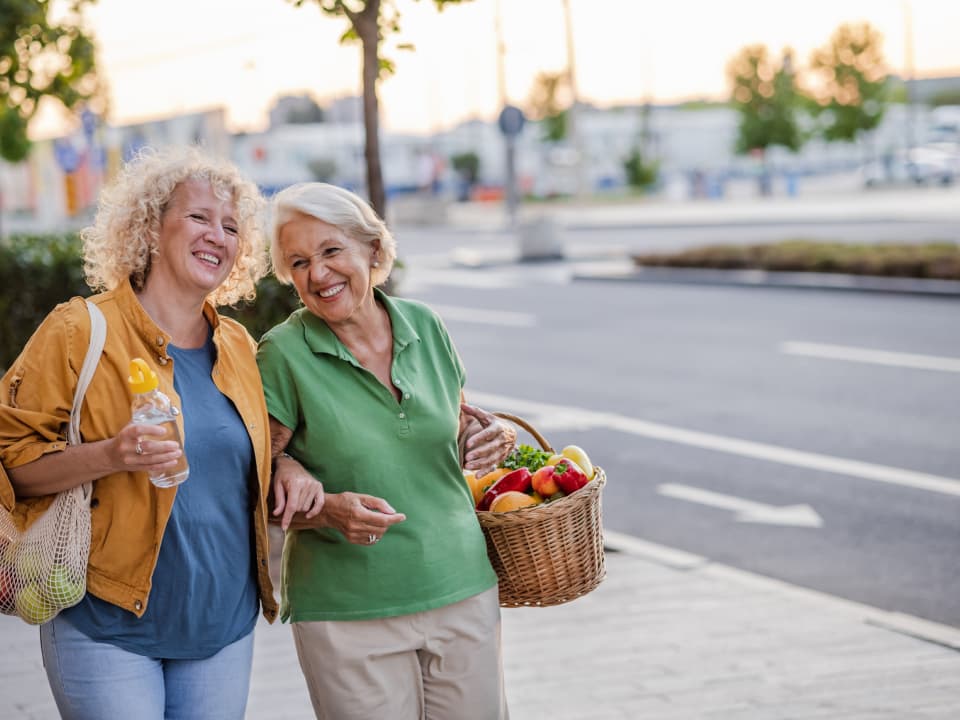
[(375, 253)]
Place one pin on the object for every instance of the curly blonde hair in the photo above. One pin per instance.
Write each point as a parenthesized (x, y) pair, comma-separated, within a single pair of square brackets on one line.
[(124, 238)]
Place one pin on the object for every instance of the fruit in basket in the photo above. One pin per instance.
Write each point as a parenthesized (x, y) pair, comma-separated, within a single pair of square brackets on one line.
[(513, 500), (569, 477), (543, 482), (473, 482), (575, 453), (518, 480)]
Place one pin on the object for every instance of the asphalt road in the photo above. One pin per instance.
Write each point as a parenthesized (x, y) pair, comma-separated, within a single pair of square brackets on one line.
[(700, 412)]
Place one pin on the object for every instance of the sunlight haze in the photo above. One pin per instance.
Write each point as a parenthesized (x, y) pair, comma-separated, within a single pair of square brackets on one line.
[(161, 59)]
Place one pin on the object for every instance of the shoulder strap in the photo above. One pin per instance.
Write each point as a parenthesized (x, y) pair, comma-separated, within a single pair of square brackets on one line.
[(98, 334)]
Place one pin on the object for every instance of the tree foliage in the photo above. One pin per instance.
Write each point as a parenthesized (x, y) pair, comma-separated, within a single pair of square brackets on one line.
[(40, 58), (767, 99), (641, 173), (370, 23), (548, 103), (850, 85)]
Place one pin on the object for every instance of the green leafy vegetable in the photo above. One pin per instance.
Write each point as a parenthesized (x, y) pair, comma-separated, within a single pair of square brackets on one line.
[(526, 456)]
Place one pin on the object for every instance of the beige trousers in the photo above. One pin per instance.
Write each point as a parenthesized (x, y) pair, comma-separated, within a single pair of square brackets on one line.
[(442, 664)]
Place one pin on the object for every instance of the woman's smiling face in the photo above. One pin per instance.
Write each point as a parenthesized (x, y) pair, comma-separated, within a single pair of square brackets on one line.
[(330, 270), (198, 243)]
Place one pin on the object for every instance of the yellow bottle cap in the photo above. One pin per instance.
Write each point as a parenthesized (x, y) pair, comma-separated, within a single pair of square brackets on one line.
[(142, 379)]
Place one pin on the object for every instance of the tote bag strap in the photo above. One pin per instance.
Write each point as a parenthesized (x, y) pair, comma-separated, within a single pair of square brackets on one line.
[(98, 334)]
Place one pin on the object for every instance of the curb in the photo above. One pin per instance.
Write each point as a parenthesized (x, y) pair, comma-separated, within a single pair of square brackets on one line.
[(624, 272), (918, 628)]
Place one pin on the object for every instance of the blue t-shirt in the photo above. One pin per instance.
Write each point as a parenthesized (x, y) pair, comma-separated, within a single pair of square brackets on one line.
[(204, 594)]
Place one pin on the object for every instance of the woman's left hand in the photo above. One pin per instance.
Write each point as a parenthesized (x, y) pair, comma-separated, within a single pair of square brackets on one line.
[(294, 491), (488, 439)]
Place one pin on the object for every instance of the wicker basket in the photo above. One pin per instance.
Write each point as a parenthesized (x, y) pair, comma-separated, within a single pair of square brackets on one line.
[(547, 554)]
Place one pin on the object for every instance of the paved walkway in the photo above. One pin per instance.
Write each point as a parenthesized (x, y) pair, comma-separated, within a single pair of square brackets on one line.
[(667, 636)]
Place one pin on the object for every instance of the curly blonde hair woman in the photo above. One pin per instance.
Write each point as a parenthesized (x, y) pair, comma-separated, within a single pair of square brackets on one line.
[(124, 239), (176, 575)]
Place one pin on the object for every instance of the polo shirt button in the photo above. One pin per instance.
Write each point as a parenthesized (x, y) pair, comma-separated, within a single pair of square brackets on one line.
[(406, 395), (402, 415)]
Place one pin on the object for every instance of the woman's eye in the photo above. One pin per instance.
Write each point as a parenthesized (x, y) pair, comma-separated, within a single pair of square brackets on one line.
[(197, 216), (298, 264), (231, 230), (331, 251)]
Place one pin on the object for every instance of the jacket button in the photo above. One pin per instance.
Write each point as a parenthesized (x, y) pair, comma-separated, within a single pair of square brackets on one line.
[(95, 502), (137, 605)]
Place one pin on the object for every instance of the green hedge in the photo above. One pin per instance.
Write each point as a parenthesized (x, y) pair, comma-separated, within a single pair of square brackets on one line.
[(939, 260), (39, 271)]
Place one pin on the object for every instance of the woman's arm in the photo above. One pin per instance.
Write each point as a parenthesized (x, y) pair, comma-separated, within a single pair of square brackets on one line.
[(78, 464), (355, 515), (296, 493)]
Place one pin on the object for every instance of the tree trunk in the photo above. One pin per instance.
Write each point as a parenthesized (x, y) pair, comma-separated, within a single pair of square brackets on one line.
[(367, 26)]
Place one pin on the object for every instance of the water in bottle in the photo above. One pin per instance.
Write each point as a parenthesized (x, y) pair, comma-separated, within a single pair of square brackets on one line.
[(152, 407)]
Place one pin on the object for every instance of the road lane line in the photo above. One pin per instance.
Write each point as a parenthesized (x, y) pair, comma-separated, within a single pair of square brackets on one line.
[(876, 357), (488, 317), (561, 416)]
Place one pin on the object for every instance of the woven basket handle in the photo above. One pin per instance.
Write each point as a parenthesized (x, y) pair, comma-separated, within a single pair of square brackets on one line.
[(528, 427)]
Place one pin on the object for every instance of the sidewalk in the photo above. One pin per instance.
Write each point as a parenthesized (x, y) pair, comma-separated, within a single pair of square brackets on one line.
[(844, 205), (667, 636)]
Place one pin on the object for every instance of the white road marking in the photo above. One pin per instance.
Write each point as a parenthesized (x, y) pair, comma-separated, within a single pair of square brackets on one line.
[(747, 510), (876, 357), (543, 415), (490, 317)]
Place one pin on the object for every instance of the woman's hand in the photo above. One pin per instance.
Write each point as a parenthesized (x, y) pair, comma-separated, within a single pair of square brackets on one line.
[(488, 439), (295, 491), (363, 519), (138, 448)]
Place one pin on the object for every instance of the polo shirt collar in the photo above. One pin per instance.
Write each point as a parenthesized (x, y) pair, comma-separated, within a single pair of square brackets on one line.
[(322, 340)]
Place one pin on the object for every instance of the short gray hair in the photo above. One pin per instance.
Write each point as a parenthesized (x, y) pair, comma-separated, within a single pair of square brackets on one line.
[(335, 206)]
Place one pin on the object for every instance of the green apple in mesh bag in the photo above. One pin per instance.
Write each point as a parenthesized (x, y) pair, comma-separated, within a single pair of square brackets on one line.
[(32, 607), (62, 587)]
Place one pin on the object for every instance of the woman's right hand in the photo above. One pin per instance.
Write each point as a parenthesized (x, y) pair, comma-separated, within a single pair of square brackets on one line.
[(359, 517), (133, 450)]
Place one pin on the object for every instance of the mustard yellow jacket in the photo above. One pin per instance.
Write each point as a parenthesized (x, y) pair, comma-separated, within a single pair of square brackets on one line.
[(128, 513)]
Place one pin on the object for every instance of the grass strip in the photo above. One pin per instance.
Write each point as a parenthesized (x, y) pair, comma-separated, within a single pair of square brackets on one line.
[(933, 260)]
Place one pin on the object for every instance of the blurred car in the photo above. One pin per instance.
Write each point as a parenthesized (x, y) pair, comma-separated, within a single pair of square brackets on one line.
[(924, 165)]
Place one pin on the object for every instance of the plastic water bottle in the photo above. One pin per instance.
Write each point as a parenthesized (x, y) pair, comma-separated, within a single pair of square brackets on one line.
[(152, 407)]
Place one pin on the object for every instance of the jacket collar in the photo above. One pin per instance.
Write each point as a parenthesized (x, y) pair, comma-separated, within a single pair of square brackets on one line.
[(149, 331)]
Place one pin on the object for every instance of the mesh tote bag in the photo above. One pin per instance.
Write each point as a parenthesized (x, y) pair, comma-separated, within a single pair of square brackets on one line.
[(43, 569)]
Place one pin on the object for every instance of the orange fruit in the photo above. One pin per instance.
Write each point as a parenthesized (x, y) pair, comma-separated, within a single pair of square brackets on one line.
[(512, 500), (476, 485)]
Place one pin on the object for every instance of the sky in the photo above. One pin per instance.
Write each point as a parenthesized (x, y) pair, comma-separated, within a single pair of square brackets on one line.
[(175, 56)]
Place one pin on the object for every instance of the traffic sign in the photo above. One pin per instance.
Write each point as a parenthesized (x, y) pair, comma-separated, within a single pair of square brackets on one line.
[(511, 120)]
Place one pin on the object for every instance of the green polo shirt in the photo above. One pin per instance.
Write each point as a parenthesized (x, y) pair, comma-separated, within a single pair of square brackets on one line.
[(351, 433)]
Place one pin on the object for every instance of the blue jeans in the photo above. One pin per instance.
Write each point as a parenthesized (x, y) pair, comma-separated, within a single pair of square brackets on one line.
[(92, 680)]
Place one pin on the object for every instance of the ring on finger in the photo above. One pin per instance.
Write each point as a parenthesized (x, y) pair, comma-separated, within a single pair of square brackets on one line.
[(139, 448), (372, 539)]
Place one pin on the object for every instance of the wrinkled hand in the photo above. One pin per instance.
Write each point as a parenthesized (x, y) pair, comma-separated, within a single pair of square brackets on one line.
[(488, 439), (295, 491), (153, 456), (360, 517)]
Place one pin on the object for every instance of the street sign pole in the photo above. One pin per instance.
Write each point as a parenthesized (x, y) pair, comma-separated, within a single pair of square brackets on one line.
[(511, 122)]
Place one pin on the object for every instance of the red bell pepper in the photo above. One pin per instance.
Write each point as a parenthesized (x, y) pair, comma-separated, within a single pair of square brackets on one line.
[(568, 477), (518, 480)]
